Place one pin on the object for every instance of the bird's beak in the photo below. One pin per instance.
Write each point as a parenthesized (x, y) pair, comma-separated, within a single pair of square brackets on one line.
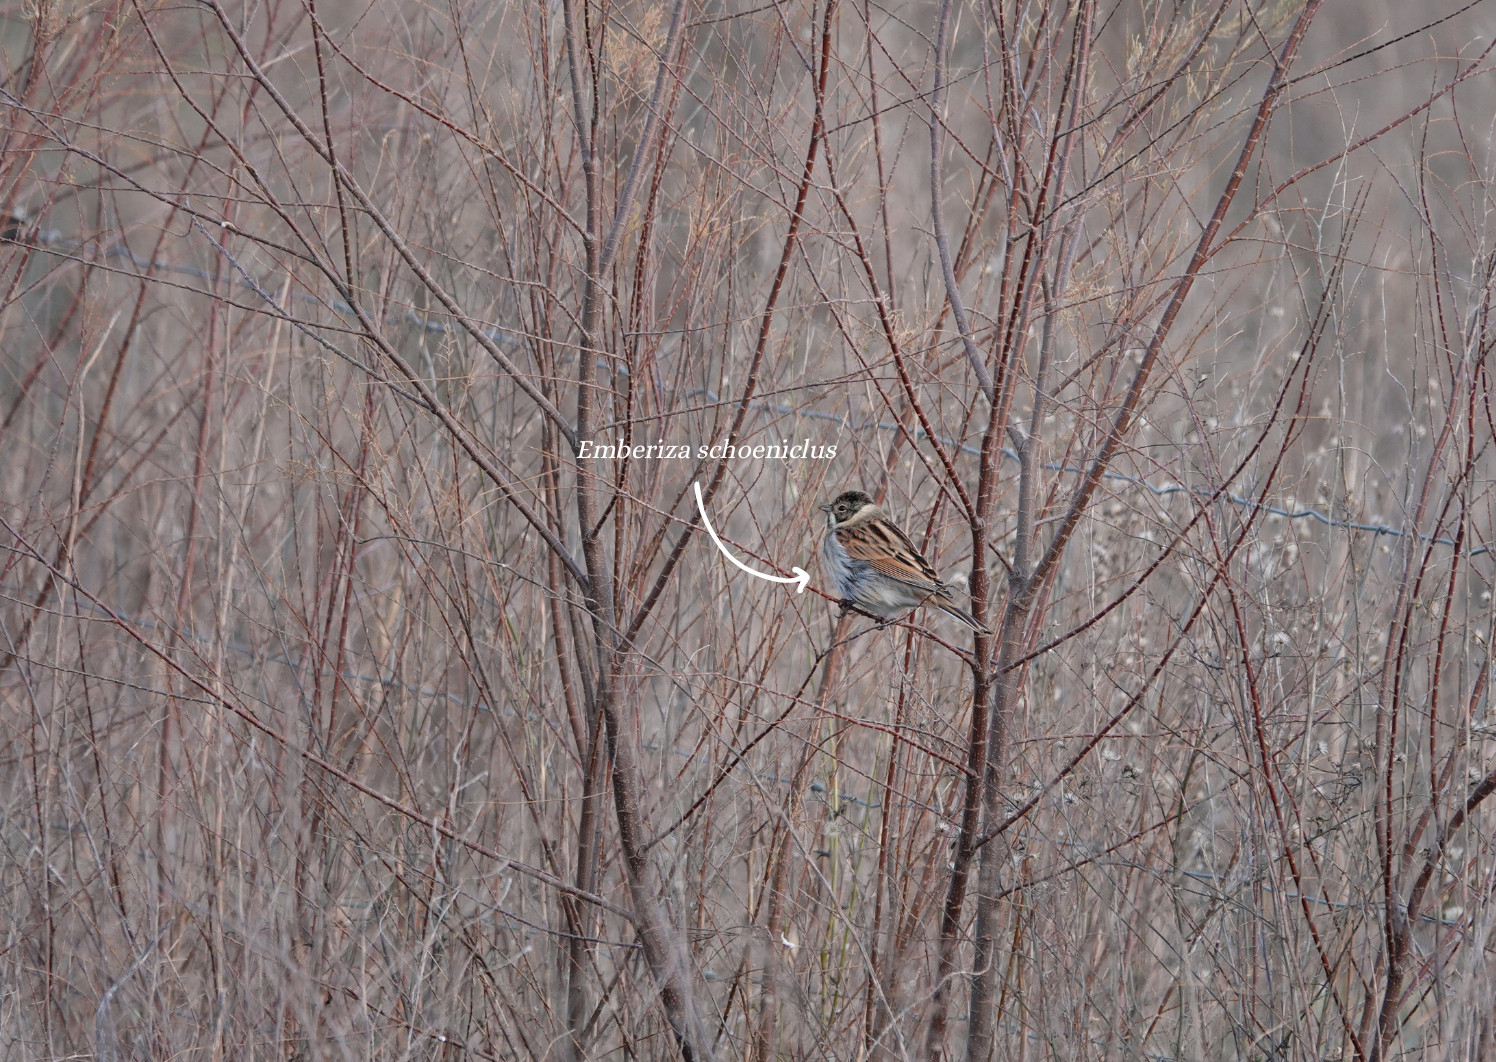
[(826, 508)]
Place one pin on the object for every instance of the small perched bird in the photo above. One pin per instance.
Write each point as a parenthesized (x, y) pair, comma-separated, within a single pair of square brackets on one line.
[(874, 566)]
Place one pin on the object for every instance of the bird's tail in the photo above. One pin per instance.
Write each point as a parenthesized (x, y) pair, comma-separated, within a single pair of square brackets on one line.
[(963, 616)]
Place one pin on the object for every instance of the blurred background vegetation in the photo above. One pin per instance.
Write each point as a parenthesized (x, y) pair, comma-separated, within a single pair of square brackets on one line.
[(345, 714)]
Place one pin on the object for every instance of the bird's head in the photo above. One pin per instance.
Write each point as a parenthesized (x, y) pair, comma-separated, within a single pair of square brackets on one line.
[(846, 506)]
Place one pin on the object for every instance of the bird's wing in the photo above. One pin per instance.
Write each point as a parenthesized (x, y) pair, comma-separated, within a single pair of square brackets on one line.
[(889, 551)]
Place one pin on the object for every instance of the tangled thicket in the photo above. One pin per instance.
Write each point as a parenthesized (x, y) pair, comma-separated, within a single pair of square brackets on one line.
[(346, 713)]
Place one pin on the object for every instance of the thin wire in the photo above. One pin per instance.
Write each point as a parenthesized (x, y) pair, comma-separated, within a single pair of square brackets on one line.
[(1303, 513), (53, 238)]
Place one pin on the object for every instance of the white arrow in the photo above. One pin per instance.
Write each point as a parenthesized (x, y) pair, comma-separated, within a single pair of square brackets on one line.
[(801, 576)]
